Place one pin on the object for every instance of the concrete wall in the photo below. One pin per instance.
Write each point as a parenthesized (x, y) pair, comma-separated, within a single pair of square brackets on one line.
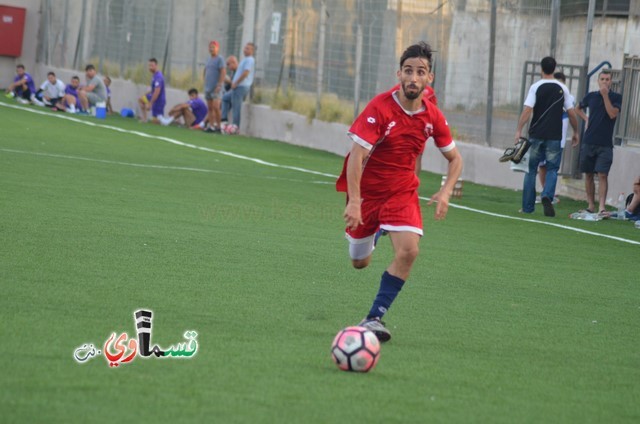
[(480, 162), (29, 42)]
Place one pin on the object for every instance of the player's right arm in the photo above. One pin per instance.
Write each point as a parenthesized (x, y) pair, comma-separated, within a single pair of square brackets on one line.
[(352, 212), (524, 118)]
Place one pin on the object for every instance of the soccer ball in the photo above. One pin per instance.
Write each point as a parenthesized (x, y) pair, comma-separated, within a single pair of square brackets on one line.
[(355, 349), (230, 129)]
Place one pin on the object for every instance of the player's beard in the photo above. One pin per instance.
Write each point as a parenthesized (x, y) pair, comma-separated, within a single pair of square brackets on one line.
[(411, 95)]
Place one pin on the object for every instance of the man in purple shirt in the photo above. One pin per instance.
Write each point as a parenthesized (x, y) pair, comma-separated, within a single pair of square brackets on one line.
[(23, 86), (193, 112), (155, 99), (70, 102)]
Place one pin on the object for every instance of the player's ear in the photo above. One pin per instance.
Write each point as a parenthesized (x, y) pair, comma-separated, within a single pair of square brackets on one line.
[(398, 74), (430, 77)]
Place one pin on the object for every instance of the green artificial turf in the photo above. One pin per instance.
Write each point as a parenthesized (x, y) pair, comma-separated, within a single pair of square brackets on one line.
[(502, 321)]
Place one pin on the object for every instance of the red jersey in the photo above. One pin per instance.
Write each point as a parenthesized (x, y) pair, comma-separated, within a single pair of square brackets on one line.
[(395, 138)]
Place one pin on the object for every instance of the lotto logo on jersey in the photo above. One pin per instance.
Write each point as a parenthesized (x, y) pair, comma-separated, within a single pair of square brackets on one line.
[(371, 120), (391, 125)]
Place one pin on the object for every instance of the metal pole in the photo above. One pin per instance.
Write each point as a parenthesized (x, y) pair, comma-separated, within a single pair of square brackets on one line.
[(63, 50), (492, 58), (439, 62), (555, 16), (583, 84), (196, 34), (321, 46), (357, 82)]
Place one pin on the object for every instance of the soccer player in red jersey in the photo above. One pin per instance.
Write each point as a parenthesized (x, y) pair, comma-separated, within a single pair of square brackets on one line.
[(380, 176)]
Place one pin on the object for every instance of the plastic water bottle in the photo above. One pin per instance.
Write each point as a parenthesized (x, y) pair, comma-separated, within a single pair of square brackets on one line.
[(621, 206)]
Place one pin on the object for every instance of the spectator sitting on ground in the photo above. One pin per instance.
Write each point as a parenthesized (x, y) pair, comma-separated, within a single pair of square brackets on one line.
[(94, 92), (193, 112), (23, 87), (51, 92), (632, 210), (107, 84), (70, 102)]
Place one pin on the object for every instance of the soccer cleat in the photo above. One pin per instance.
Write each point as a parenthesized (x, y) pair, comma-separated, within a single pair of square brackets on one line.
[(516, 153), (23, 101), (37, 102), (10, 95), (548, 207), (377, 327)]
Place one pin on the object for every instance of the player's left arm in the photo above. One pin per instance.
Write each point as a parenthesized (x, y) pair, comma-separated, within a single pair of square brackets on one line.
[(454, 171)]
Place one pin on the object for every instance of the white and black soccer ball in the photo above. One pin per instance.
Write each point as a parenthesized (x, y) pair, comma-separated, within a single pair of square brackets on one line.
[(355, 349)]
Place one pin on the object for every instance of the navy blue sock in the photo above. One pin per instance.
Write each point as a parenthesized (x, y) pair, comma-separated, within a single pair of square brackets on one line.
[(390, 286)]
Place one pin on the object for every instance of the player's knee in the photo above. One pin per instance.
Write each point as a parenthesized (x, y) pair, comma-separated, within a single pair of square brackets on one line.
[(361, 263), (408, 254)]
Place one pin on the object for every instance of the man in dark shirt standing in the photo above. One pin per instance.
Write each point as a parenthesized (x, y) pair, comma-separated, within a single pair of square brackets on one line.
[(596, 152), (545, 101)]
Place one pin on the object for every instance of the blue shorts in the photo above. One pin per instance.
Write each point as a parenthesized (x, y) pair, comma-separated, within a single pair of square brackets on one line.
[(596, 159)]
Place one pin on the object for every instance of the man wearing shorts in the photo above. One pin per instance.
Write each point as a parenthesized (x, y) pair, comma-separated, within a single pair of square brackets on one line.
[(214, 73), (596, 152), (155, 99), (94, 92), (381, 181)]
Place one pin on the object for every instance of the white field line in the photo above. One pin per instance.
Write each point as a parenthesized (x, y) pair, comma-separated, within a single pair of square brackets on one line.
[(275, 165), (142, 165)]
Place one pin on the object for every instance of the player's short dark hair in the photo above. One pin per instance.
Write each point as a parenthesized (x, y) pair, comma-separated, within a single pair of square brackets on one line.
[(548, 65), (75, 77), (193, 91), (605, 71), (421, 49), (154, 60), (20, 65), (51, 73), (89, 67), (560, 76)]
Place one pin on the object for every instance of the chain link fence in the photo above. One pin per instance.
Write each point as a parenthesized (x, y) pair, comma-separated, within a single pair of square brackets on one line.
[(327, 58)]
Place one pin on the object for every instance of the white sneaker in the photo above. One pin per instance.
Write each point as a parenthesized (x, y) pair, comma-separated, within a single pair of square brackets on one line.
[(71, 109), (165, 121), (37, 102), (23, 101)]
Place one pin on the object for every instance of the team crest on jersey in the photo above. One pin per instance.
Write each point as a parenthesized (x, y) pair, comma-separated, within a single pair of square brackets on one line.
[(391, 125), (428, 129)]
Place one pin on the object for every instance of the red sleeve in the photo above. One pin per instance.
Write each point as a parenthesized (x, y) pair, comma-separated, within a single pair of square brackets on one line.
[(368, 127), (441, 132)]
